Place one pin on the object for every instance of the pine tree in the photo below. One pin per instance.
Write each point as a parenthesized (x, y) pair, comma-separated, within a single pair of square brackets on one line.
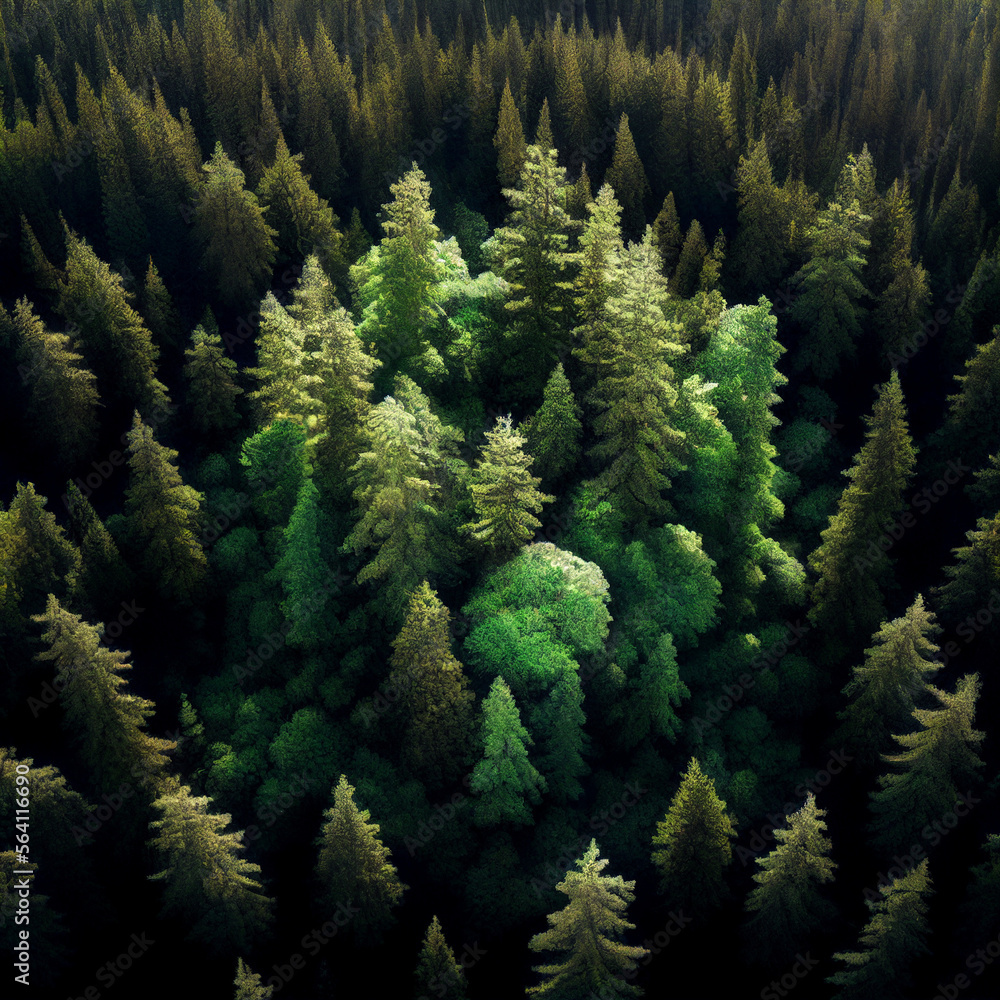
[(62, 407), (437, 972), (973, 580), (684, 282), (938, 763), (509, 140), (893, 938), (248, 984), (667, 235), (561, 718), (304, 573), (628, 179), (635, 395), (886, 688), (436, 700), (691, 848), (237, 244), (787, 903), (276, 467), (158, 309), (505, 494), (107, 725), (504, 778), (600, 262), (354, 867), (543, 131), (163, 517), (852, 566), (212, 390), (553, 434), (588, 932), (207, 887)]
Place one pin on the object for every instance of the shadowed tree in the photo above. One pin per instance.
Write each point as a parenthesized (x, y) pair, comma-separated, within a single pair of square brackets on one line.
[(212, 390), (437, 972), (628, 180)]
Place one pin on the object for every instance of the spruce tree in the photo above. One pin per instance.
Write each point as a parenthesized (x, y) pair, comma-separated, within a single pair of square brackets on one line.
[(437, 972), (667, 235), (163, 517), (212, 389), (248, 984), (158, 309), (207, 886), (509, 140), (504, 779), (561, 718), (886, 688), (552, 435), (973, 580), (505, 494), (890, 942), (436, 698), (354, 867), (787, 903), (237, 244), (600, 262), (852, 566), (63, 400), (938, 764), (588, 932), (687, 273), (691, 848), (628, 180)]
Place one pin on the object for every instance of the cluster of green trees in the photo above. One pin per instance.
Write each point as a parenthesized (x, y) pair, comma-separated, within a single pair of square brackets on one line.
[(437, 529)]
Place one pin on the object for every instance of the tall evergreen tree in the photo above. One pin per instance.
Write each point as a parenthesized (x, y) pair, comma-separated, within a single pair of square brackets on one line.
[(211, 380), (972, 580), (207, 886), (437, 700), (504, 779), (354, 867), (561, 718), (886, 688), (509, 140), (890, 941), (248, 984), (505, 494), (667, 235), (787, 903), (852, 566), (163, 517), (588, 931), (629, 182), (684, 282), (237, 244), (437, 972), (937, 765), (691, 848), (552, 435)]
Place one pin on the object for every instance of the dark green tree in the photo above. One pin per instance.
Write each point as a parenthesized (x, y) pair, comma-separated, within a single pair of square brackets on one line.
[(509, 140), (552, 434), (248, 984), (973, 579), (437, 972), (628, 180), (212, 388), (667, 235)]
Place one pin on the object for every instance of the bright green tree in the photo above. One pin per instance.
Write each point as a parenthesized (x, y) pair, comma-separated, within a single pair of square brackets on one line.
[(276, 467), (207, 887), (504, 778), (787, 903), (437, 972), (552, 434), (890, 683), (248, 984), (436, 698), (163, 517), (938, 763), (509, 140), (237, 244), (894, 937), (588, 932), (505, 494), (354, 867), (691, 848)]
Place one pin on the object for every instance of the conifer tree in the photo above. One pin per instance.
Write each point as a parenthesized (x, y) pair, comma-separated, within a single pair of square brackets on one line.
[(237, 244), (212, 389), (980, 909), (890, 941), (553, 433), (207, 886), (248, 984), (852, 566), (354, 867), (937, 766), (437, 972), (561, 717), (634, 397), (667, 235), (599, 275), (580, 195), (684, 282), (691, 848), (436, 698), (973, 579), (588, 931), (163, 516), (158, 309), (62, 407), (505, 494), (276, 467), (108, 726), (543, 130), (886, 688), (628, 180), (504, 779), (787, 903), (304, 572), (509, 140)]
